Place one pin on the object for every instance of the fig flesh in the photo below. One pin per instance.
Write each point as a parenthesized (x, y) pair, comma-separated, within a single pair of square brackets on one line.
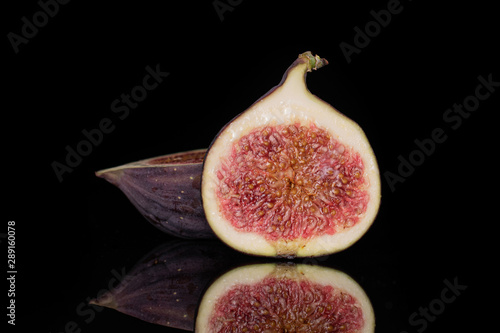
[(166, 191), (285, 298), (291, 175)]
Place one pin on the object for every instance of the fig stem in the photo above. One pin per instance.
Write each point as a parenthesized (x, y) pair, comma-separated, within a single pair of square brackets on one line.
[(314, 62)]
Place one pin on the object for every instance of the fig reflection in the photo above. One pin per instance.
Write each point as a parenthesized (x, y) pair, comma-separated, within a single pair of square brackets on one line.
[(278, 297), (174, 286), (166, 285)]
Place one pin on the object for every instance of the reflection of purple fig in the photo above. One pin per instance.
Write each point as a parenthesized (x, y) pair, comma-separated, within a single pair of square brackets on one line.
[(166, 191), (165, 286)]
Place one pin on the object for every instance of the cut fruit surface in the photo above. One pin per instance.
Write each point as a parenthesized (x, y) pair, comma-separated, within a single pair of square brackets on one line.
[(291, 176), (285, 298), (292, 181)]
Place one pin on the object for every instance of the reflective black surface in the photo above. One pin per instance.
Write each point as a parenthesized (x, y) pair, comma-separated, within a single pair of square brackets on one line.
[(424, 88)]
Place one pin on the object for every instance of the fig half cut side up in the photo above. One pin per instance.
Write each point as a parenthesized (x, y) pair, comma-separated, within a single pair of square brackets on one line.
[(166, 191), (277, 297), (291, 176)]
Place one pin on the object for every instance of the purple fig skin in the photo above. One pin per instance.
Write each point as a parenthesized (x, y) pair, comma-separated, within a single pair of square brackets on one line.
[(166, 191), (165, 287)]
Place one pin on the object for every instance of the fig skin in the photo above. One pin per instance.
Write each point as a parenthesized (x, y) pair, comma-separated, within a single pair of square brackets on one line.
[(166, 191), (166, 285), (288, 103), (275, 307)]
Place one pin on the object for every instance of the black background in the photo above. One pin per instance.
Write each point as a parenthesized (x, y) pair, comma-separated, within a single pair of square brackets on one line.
[(71, 235)]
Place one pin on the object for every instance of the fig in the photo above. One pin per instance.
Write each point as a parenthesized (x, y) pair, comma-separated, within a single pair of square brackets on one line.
[(166, 191), (166, 285), (291, 176), (281, 297)]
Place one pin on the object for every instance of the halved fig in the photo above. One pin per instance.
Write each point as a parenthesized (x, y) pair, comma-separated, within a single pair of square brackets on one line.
[(166, 191), (285, 298), (291, 176)]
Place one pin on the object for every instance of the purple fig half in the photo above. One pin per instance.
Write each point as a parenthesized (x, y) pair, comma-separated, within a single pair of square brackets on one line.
[(166, 191)]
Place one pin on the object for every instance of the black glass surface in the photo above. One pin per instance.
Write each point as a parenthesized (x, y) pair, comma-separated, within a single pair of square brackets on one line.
[(423, 83)]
